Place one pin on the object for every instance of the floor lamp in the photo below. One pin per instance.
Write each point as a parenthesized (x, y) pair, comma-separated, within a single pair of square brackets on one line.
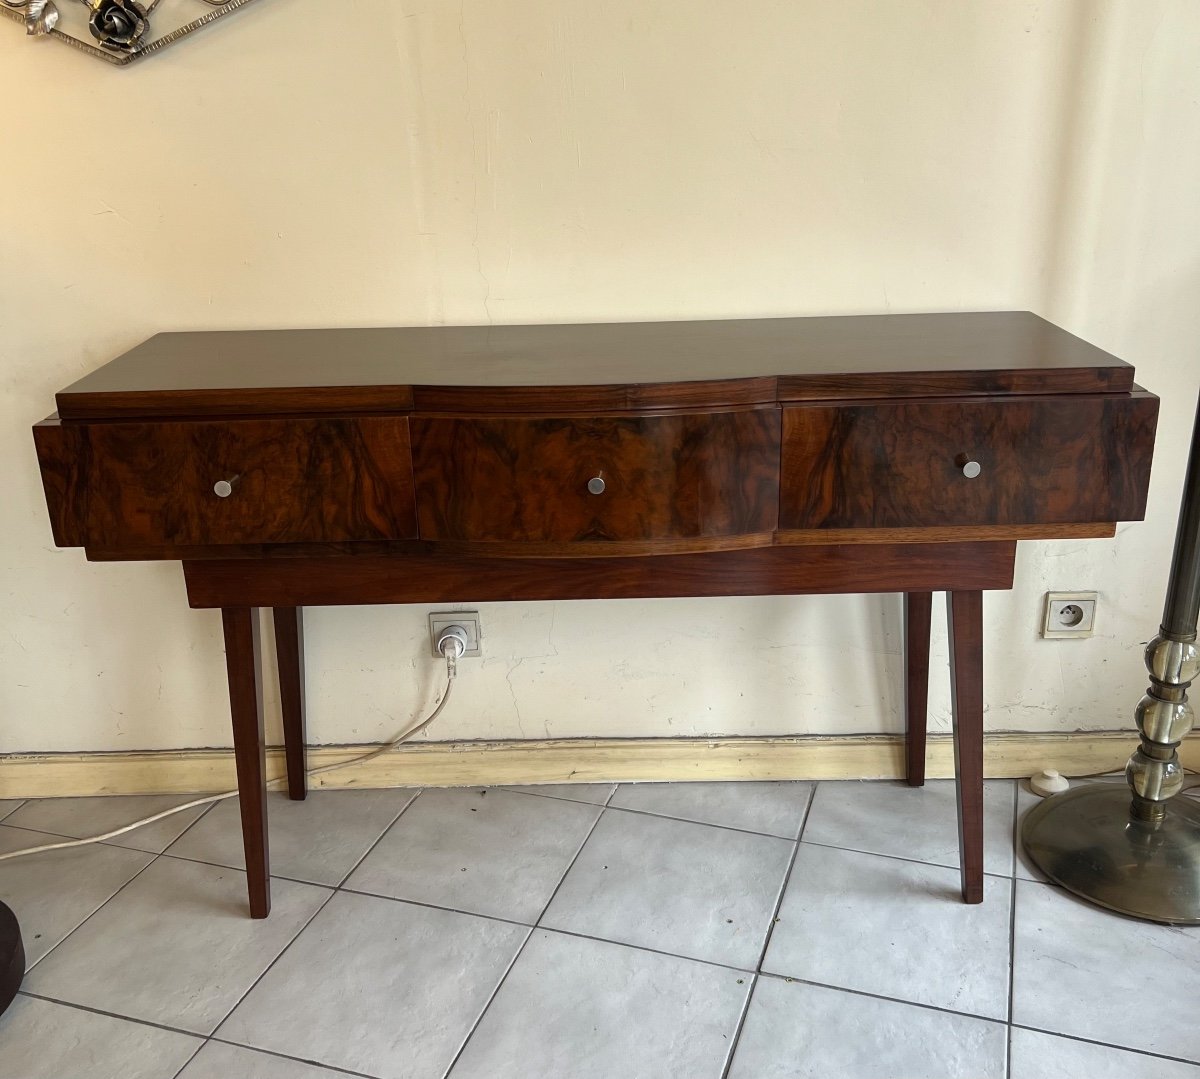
[(1140, 854)]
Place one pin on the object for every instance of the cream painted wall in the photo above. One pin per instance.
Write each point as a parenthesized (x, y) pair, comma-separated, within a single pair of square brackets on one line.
[(530, 160)]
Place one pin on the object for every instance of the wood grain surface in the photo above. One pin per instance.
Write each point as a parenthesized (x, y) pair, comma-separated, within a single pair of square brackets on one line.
[(600, 367), (918, 618), (368, 579), (899, 464), (243, 664), (815, 537), (665, 477), (965, 615), (294, 480)]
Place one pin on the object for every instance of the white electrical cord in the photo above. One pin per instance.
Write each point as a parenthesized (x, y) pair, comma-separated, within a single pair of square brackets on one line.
[(450, 645)]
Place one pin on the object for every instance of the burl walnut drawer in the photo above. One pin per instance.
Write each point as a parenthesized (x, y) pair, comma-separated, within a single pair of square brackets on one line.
[(1051, 460), (113, 485), (562, 479)]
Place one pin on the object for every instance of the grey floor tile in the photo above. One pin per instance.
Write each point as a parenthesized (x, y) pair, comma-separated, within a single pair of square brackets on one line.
[(1080, 970), (52, 893), (489, 852), (600, 1010), (689, 889), (377, 986), (9, 805), (43, 1040), (796, 1031), (82, 817), (894, 928), (594, 793), (318, 840), (771, 808), (920, 823), (220, 1061), (1044, 1056), (177, 946)]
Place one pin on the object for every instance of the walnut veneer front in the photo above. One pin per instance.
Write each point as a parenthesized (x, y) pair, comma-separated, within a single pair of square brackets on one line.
[(902, 453)]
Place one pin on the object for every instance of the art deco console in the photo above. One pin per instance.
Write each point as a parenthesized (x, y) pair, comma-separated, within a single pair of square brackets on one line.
[(891, 453)]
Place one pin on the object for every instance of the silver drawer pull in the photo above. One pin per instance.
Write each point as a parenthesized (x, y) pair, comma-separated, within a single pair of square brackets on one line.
[(596, 485), (970, 468), (224, 488)]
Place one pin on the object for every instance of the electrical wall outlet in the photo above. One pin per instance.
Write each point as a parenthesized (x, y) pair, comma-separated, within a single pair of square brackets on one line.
[(469, 620), (1070, 614)]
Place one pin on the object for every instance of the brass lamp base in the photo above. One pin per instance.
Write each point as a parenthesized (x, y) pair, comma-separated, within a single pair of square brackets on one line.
[(1088, 841)]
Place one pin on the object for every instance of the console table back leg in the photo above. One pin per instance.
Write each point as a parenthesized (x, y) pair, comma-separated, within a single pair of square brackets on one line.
[(249, 748), (289, 651), (918, 615), (965, 611)]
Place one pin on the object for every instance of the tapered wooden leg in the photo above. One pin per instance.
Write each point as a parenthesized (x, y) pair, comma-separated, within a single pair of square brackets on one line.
[(965, 610), (249, 748), (289, 651), (918, 615)]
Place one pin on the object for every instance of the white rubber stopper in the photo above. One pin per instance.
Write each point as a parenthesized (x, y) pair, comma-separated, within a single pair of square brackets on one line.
[(1048, 782)]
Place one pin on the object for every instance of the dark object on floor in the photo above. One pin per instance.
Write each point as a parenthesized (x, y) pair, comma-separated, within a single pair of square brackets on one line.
[(12, 957), (1137, 850)]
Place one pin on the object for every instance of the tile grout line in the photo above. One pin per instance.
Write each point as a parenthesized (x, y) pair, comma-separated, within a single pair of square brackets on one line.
[(787, 877), (1012, 935), (898, 858), (240, 868), (203, 1043), (520, 951), (553, 797), (643, 948), (783, 887), (737, 1030), (571, 865), (879, 996), (434, 906), (703, 823), (1107, 1045), (277, 876), (607, 804), (67, 936), (111, 1015), (379, 838), (283, 1056), (462, 1047), (271, 965)]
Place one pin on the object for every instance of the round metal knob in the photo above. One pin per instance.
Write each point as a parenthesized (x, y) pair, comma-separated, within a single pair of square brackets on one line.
[(223, 488), (596, 485), (969, 468)]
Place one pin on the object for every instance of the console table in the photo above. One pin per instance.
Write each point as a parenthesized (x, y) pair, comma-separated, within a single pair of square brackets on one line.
[(883, 453)]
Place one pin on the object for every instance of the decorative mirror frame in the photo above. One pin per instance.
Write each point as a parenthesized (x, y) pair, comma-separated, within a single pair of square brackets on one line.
[(120, 28)]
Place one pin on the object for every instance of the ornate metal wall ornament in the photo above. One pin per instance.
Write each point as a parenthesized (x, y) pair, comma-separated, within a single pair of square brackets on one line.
[(119, 30)]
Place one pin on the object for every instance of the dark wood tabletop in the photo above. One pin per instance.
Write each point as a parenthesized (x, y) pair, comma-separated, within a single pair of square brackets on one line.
[(605, 366)]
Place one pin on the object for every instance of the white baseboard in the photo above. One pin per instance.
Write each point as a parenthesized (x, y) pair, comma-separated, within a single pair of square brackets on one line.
[(576, 760)]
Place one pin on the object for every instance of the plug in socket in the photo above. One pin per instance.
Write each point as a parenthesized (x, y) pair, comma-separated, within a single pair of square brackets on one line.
[(468, 620)]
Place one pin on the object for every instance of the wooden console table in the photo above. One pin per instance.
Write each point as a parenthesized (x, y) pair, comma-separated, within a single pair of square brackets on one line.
[(887, 453)]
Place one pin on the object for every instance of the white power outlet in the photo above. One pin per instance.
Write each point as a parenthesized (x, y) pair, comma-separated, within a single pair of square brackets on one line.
[(469, 620), (1070, 614)]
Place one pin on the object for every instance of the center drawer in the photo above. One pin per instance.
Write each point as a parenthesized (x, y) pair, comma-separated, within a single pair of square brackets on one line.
[(564, 479)]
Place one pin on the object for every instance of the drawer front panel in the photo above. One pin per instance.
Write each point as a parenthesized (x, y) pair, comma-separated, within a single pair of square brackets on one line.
[(1039, 461), (124, 484), (651, 477)]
